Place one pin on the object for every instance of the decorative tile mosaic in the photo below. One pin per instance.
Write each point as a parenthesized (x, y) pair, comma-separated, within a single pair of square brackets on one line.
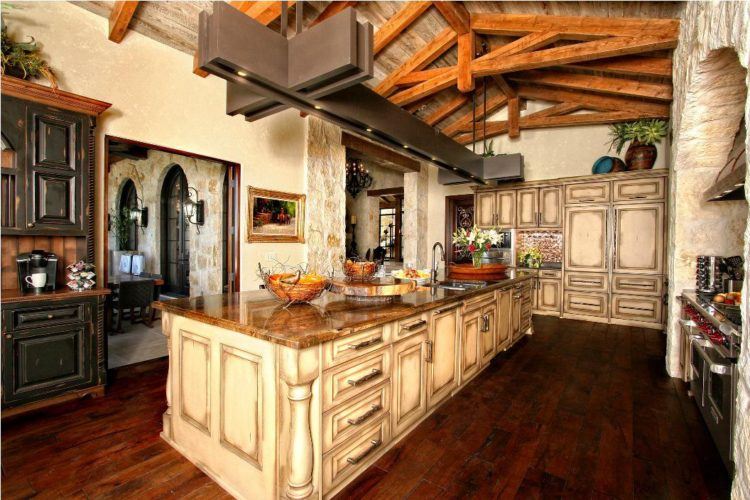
[(550, 243)]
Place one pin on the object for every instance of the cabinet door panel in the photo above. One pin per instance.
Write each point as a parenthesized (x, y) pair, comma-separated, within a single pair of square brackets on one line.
[(442, 376), (504, 313), (506, 209), (470, 336), (550, 207), (484, 209), (54, 197), (639, 189), (409, 395), (585, 303), (13, 194), (527, 207), (516, 316), (639, 238), (637, 285), (487, 341), (634, 308), (54, 139), (586, 236), (588, 192), (550, 295)]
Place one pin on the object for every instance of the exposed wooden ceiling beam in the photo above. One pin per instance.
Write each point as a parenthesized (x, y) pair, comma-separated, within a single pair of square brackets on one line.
[(455, 15), (514, 116), (554, 110), (119, 19), (449, 78), (424, 56), (578, 52), (504, 86), (603, 84), (331, 10), (593, 101), (531, 122), (465, 80), (416, 77), (631, 66), (493, 104), (574, 27), (447, 109), (196, 68), (398, 23)]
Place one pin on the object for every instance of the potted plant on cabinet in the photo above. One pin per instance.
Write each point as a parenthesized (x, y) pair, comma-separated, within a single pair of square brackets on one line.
[(643, 136)]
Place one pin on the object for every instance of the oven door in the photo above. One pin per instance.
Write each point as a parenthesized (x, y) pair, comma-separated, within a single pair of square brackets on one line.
[(718, 398), (697, 368)]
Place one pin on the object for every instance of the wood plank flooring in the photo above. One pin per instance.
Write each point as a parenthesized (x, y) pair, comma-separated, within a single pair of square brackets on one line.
[(578, 410)]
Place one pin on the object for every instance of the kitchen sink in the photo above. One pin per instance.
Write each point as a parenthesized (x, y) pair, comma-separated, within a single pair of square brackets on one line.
[(460, 285)]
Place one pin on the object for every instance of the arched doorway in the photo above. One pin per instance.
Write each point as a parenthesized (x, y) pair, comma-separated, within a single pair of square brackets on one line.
[(129, 201), (175, 237)]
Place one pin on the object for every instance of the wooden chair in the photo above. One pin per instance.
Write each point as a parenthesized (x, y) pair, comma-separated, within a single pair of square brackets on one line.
[(134, 295)]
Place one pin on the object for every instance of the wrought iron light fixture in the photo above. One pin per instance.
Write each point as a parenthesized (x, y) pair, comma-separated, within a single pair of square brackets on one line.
[(358, 178), (193, 209), (139, 214)]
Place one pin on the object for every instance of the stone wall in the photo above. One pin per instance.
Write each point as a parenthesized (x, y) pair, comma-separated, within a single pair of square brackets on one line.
[(325, 161), (148, 176), (710, 82), (415, 224)]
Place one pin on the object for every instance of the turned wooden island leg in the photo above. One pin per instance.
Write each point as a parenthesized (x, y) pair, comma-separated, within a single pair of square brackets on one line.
[(166, 328), (299, 369)]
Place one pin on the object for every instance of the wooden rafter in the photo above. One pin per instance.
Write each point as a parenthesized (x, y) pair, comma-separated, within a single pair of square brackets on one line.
[(446, 110), (424, 56), (465, 80), (398, 23), (119, 19), (416, 77), (593, 101), (514, 117), (630, 66), (574, 27), (331, 10), (456, 15), (493, 104), (603, 84), (449, 78), (554, 110)]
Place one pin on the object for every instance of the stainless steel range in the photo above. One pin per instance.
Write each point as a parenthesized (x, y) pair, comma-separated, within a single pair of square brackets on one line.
[(712, 341)]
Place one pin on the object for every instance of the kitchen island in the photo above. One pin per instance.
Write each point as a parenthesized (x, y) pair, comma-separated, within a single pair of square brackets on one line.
[(275, 402)]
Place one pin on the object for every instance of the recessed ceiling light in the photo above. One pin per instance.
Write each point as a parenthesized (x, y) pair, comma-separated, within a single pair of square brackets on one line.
[(406, 147), (433, 158), (454, 168), (241, 73), (318, 107), (369, 130)]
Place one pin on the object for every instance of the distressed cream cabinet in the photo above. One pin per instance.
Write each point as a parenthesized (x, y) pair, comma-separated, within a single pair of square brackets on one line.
[(504, 335), (495, 209), (586, 238), (442, 372), (539, 208), (485, 214), (638, 238)]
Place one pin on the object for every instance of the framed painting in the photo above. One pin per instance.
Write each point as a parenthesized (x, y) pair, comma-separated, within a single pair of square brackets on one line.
[(275, 216)]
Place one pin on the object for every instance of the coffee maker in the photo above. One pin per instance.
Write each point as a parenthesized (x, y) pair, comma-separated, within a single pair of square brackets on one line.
[(37, 261)]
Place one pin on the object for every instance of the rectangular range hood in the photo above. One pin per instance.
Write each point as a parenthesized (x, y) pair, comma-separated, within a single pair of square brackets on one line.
[(499, 168)]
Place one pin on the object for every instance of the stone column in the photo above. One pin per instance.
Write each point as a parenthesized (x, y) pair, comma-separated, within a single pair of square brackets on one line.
[(414, 225)]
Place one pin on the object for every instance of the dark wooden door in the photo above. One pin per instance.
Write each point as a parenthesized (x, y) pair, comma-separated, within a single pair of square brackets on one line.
[(459, 213), (13, 210), (55, 169), (175, 234)]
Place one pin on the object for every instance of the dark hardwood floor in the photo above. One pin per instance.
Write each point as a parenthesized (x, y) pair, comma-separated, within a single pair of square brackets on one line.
[(579, 410)]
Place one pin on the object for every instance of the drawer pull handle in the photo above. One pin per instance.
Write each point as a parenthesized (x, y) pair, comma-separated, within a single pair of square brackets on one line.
[(413, 326), (637, 285), (374, 373), (369, 413), (586, 199), (637, 197), (365, 343), (374, 444), (444, 310)]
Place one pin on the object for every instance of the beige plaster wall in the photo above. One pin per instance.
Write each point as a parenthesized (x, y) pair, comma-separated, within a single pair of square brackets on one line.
[(205, 248), (156, 99)]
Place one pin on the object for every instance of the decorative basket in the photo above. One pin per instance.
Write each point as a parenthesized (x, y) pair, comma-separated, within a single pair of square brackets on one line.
[(363, 270), (294, 287)]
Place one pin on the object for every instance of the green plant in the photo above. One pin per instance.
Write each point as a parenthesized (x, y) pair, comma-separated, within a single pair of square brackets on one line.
[(489, 149), (647, 132), (531, 257), (22, 59), (121, 223)]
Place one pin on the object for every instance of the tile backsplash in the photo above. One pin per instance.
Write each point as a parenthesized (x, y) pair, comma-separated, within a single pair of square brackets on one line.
[(550, 243)]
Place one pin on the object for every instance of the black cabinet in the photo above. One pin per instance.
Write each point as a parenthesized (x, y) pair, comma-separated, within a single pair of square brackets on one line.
[(52, 349), (49, 180)]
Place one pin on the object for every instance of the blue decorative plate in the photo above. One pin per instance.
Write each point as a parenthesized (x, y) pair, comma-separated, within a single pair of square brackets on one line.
[(603, 165)]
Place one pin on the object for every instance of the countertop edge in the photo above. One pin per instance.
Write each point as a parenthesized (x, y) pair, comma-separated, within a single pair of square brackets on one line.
[(325, 336), (59, 294)]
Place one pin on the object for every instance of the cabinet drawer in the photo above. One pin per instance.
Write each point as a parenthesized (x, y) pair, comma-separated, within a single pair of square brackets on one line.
[(633, 308), (410, 326), (585, 303), (355, 345), (639, 189), (355, 377), (355, 455), (589, 192), (637, 285), (48, 316), (343, 422), (594, 282), (550, 273), (478, 302)]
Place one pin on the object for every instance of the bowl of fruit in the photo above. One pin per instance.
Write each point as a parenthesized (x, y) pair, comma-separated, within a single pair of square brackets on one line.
[(420, 276), (361, 270)]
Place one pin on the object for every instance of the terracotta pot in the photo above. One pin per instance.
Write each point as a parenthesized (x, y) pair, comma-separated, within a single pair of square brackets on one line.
[(640, 156)]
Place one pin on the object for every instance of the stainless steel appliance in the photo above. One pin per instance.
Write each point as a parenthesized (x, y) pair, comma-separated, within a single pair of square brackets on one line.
[(504, 252), (37, 261), (713, 334), (709, 273)]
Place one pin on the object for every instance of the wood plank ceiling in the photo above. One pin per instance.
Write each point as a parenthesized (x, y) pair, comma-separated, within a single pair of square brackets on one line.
[(586, 62)]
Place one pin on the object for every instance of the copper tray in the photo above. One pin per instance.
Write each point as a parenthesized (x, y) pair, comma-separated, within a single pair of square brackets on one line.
[(374, 289), (468, 271)]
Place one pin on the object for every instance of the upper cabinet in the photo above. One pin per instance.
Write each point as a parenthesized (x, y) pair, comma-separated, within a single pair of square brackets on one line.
[(484, 209), (635, 190), (495, 209), (587, 192), (527, 208), (539, 208), (506, 209)]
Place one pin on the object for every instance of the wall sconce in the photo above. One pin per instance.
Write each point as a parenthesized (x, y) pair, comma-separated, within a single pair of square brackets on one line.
[(193, 209), (139, 214)]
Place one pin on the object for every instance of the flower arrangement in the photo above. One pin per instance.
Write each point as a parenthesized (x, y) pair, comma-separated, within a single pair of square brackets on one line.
[(531, 257), (475, 242)]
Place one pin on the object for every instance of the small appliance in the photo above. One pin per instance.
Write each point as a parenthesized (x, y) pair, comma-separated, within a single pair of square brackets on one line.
[(503, 252), (36, 262)]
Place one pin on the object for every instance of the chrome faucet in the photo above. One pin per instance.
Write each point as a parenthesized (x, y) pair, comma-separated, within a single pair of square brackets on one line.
[(434, 269)]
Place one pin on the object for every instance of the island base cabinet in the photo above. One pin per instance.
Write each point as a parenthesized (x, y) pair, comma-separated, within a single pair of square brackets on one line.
[(487, 341), (504, 318), (471, 332), (442, 370), (409, 377)]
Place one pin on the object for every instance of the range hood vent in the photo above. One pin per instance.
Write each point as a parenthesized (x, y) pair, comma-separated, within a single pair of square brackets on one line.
[(501, 168), (730, 183)]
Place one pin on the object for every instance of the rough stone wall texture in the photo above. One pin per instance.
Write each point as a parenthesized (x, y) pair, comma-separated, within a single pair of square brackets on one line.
[(709, 87), (415, 230), (325, 160), (148, 176), (367, 208)]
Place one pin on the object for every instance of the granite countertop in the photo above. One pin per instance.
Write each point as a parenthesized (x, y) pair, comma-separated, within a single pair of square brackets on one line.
[(331, 316), (557, 266), (14, 295)]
